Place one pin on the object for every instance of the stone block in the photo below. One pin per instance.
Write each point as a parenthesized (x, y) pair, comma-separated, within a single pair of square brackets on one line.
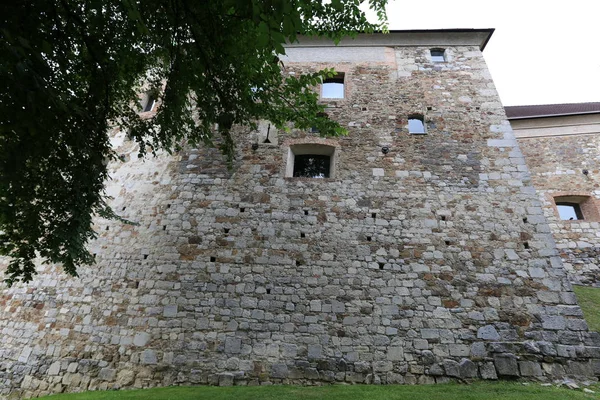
[(233, 345), (107, 374), (467, 368), (141, 339), (225, 379), (148, 357), (279, 370), (395, 353), (530, 368), (452, 368), (488, 371), (54, 368), (488, 332), (506, 364)]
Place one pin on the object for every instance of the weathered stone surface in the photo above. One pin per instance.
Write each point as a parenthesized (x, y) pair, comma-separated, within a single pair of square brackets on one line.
[(452, 368), (488, 332), (467, 368), (487, 371), (393, 270), (506, 364), (530, 368)]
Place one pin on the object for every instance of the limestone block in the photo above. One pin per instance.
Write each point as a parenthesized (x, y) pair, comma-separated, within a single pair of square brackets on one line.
[(506, 364)]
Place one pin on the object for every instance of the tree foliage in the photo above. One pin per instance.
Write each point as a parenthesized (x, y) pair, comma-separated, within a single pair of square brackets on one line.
[(71, 69)]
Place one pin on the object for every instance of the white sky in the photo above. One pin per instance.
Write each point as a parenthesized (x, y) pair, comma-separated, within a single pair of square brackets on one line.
[(542, 52)]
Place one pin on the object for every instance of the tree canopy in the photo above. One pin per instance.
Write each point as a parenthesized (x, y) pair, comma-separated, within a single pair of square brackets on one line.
[(72, 69)]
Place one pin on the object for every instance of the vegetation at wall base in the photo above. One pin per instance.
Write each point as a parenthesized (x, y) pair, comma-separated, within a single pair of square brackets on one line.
[(474, 391), (72, 70), (589, 301)]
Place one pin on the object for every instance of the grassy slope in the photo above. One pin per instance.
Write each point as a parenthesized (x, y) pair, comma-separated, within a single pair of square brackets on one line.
[(589, 300), (479, 390)]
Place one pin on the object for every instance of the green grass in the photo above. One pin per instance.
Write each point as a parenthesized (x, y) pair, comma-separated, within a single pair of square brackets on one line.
[(589, 301), (478, 390)]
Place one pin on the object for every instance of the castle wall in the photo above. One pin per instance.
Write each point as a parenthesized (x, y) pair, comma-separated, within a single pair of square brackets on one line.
[(557, 151), (428, 263)]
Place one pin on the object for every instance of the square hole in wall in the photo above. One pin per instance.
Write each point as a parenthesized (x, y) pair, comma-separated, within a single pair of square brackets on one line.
[(333, 88)]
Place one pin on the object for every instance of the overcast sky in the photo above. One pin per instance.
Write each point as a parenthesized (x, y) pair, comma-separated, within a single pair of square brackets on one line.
[(542, 52)]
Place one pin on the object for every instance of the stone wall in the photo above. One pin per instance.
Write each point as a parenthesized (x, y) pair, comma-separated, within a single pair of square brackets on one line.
[(429, 263), (563, 157)]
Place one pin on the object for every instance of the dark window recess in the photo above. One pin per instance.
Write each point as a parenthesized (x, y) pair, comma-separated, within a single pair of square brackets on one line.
[(242, 209), (443, 217), (381, 265), (164, 227), (268, 291), (312, 166), (302, 235), (437, 55), (447, 242), (368, 238), (569, 211), (525, 219), (213, 259), (150, 103), (145, 256), (526, 245), (226, 230), (373, 215), (305, 212)]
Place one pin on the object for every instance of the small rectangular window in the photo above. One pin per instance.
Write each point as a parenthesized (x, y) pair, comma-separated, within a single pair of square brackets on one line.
[(569, 211), (150, 103), (311, 160), (416, 126), (333, 88), (438, 55), (312, 166)]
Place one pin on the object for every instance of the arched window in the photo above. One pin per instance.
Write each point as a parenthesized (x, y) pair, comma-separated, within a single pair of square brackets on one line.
[(416, 124), (333, 88)]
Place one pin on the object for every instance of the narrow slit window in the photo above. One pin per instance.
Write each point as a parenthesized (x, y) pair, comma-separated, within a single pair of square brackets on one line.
[(150, 103), (438, 55), (333, 88), (416, 125)]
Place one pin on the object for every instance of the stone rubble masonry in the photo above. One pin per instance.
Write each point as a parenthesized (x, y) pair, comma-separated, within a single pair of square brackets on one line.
[(416, 273), (557, 151)]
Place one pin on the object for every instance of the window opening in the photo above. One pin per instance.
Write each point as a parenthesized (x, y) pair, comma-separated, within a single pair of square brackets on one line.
[(312, 166), (333, 88), (416, 126), (438, 55), (311, 160), (150, 103), (569, 211)]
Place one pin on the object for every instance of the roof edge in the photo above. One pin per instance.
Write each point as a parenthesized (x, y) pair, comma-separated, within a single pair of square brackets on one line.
[(410, 37)]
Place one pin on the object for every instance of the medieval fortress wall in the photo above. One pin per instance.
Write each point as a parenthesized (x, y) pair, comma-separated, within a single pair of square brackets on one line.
[(563, 155), (428, 262)]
